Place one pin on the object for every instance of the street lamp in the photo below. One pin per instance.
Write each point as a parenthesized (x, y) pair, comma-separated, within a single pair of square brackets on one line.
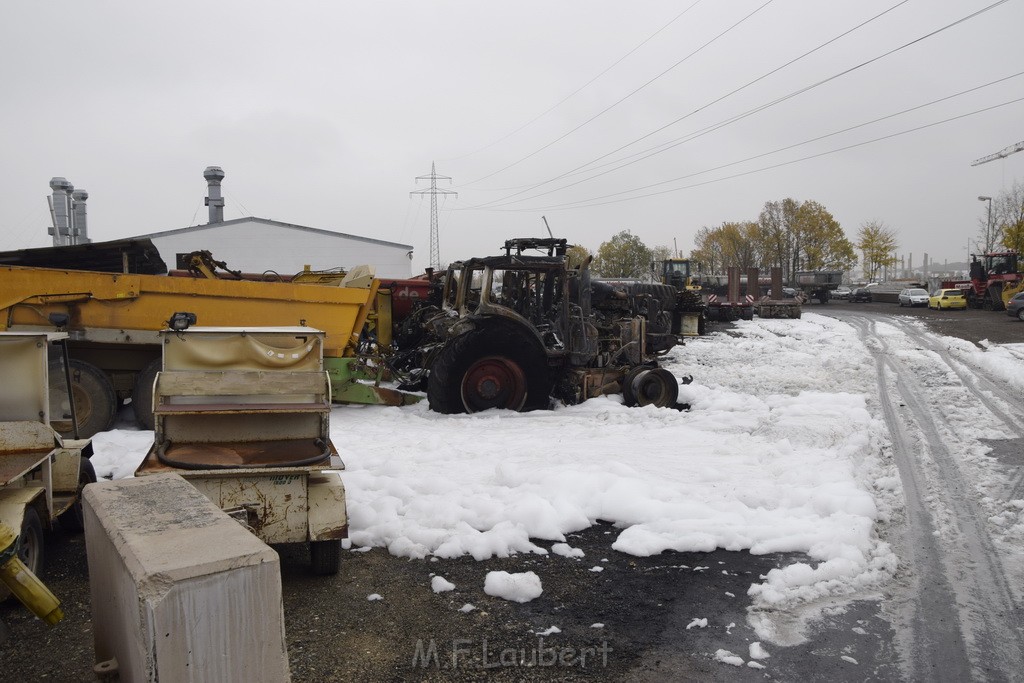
[(988, 223)]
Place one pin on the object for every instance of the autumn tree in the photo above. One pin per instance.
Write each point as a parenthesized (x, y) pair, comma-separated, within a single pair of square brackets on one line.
[(728, 245), (823, 245), (877, 244), (576, 255), (1009, 217), (775, 234), (624, 255)]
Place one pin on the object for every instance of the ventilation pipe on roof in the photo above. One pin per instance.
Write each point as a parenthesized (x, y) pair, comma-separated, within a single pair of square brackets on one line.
[(213, 175), (60, 204), (79, 231)]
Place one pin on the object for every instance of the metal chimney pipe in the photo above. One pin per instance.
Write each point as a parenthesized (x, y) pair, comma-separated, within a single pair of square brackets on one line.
[(62, 190), (80, 233), (213, 175)]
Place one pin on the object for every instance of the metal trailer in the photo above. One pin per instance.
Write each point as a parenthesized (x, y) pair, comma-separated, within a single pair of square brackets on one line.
[(41, 474), (817, 284), (244, 415)]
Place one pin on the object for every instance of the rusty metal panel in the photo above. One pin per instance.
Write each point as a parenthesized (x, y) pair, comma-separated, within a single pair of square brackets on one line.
[(753, 284), (328, 519), (277, 500), (776, 282), (734, 283), (23, 377)]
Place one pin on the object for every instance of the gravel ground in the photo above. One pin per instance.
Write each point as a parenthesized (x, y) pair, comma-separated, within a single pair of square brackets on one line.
[(645, 605)]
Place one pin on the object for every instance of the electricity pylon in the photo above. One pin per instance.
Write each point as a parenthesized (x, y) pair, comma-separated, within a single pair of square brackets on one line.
[(435, 249)]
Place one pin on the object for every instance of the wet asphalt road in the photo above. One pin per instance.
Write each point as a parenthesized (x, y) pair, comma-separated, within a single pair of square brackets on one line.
[(644, 604)]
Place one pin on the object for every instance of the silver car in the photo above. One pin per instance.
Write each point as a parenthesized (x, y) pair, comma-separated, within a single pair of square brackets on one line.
[(1015, 307), (914, 297)]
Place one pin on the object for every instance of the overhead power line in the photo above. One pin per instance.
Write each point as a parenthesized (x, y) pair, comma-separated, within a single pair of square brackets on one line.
[(575, 92), (624, 98), (669, 144), (659, 149), (798, 144), (596, 201)]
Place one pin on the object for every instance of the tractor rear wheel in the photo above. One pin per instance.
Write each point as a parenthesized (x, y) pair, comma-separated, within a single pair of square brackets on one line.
[(487, 369), (95, 400)]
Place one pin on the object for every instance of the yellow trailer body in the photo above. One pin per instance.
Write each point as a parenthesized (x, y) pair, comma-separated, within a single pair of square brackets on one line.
[(128, 308), (113, 322)]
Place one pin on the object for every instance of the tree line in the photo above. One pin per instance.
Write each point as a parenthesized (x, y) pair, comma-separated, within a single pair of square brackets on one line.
[(788, 234)]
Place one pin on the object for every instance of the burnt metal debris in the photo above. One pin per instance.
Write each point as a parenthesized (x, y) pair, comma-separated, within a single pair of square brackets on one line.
[(516, 330)]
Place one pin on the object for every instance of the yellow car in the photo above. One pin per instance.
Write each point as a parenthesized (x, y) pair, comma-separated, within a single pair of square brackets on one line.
[(947, 298)]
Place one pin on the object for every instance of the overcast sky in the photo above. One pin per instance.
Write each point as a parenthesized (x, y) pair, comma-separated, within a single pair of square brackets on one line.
[(323, 114)]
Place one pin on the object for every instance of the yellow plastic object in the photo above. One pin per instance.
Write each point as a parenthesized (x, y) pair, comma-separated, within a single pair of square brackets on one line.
[(23, 583)]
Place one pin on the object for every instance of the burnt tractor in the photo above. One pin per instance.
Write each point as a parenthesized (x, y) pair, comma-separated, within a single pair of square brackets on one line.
[(516, 330), (995, 278)]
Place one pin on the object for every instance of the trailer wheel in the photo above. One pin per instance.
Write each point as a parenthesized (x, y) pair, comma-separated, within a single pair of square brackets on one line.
[(142, 394), (655, 387), (95, 401), (30, 541), (487, 369), (74, 518), (325, 557)]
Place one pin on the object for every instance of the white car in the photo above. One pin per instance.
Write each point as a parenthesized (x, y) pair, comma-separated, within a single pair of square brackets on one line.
[(841, 292), (914, 297)]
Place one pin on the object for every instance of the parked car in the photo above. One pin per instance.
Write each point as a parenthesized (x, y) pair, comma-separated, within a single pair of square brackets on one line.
[(1015, 306), (947, 298), (860, 294), (840, 292), (914, 297)]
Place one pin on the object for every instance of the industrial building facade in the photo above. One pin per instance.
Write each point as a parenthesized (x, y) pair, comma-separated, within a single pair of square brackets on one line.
[(256, 245)]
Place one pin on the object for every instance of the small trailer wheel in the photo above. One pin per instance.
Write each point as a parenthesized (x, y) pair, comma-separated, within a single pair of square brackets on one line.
[(30, 541), (74, 518), (325, 557)]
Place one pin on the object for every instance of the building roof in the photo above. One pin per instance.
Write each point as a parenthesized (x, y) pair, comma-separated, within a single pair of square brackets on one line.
[(137, 253), (279, 224)]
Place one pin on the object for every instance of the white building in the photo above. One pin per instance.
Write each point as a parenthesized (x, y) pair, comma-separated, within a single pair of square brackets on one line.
[(255, 245)]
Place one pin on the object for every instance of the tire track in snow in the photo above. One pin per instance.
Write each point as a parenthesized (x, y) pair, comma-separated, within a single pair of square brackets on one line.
[(982, 385), (963, 621)]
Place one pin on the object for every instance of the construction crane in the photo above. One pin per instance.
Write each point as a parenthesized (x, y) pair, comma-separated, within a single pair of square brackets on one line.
[(1001, 154)]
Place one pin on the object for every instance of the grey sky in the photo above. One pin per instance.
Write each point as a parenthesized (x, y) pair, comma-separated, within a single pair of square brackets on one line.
[(322, 114)]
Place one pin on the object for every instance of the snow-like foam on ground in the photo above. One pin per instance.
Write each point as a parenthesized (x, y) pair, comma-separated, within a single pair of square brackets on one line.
[(782, 451)]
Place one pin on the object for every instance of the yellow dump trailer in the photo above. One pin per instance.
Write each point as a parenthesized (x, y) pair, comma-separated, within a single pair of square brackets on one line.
[(113, 320)]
